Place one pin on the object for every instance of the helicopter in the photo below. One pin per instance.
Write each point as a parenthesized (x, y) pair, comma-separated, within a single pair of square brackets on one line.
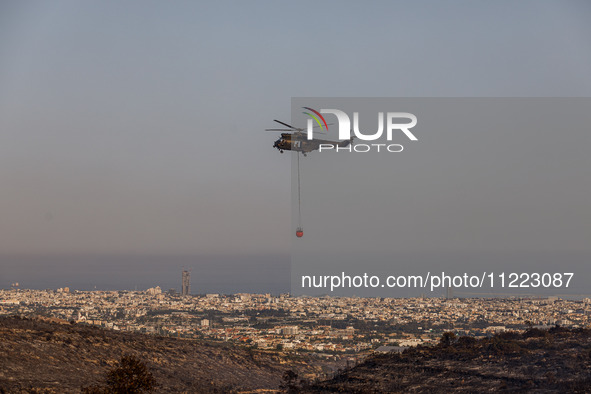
[(297, 140)]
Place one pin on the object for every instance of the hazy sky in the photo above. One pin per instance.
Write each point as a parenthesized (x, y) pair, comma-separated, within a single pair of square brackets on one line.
[(137, 127)]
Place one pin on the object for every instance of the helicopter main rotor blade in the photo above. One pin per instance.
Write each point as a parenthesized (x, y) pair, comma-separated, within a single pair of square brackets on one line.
[(291, 128), (296, 130), (285, 124), (318, 127)]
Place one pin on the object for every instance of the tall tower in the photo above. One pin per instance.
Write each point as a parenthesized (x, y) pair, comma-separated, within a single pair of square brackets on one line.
[(450, 293), (186, 284)]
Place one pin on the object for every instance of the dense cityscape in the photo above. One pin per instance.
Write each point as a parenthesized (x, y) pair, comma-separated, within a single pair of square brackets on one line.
[(322, 325)]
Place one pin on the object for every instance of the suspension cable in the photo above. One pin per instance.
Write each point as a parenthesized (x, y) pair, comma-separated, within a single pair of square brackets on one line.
[(299, 195)]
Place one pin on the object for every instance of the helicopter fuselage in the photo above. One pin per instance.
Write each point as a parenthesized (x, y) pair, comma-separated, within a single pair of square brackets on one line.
[(299, 142)]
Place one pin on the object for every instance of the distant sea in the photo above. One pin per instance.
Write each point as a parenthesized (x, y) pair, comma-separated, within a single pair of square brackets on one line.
[(224, 274)]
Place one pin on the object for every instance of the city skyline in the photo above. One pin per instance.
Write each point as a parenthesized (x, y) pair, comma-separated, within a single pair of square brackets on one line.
[(318, 324)]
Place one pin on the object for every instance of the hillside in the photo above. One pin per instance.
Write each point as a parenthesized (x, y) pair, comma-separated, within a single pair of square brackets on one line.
[(43, 356), (558, 360), (52, 357)]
